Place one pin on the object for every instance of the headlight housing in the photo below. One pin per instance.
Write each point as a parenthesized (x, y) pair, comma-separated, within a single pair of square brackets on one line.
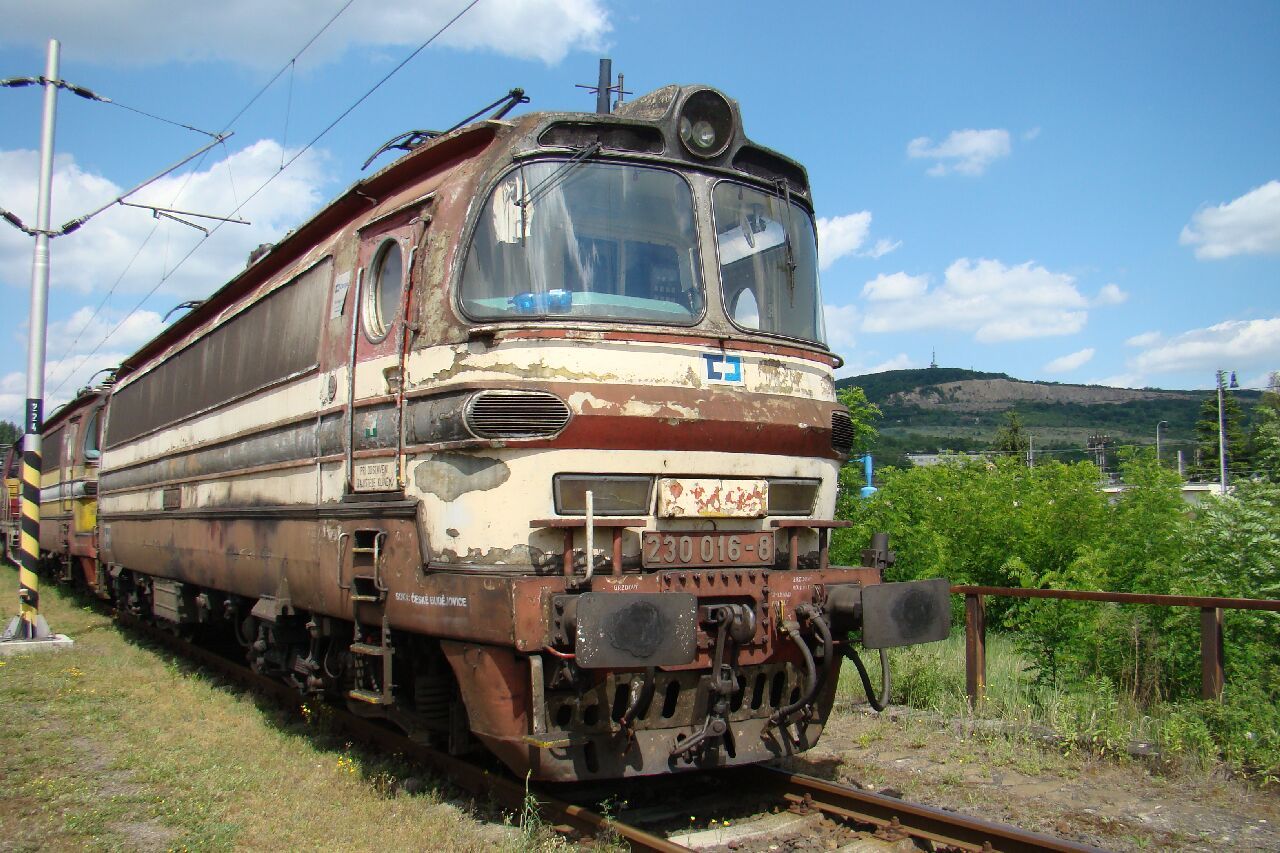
[(706, 124), (792, 497), (612, 494)]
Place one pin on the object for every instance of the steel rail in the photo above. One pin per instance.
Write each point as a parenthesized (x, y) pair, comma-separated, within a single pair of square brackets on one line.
[(937, 825), (562, 816)]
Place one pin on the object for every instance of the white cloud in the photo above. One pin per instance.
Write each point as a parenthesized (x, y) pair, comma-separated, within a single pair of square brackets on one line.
[(1145, 339), (1249, 225), (1071, 361), (142, 32), (1243, 345), (882, 247), (901, 361), (967, 152), (128, 333), (896, 286), (994, 301), (72, 361), (840, 236), (1118, 380), (90, 259), (1110, 294), (63, 377), (842, 320), (1031, 134)]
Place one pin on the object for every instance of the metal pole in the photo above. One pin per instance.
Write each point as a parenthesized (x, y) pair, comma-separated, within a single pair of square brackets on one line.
[(603, 85), (1222, 437), (975, 648), (1162, 423), (28, 584)]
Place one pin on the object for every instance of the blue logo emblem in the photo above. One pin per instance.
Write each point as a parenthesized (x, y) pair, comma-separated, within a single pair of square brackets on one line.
[(723, 368)]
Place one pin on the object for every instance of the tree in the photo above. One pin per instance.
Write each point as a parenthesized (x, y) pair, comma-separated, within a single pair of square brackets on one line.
[(1207, 437), (864, 413), (1011, 439), (10, 432), (1265, 440)]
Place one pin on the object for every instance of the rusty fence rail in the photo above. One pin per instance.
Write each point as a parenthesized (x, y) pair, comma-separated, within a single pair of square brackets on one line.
[(1211, 658)]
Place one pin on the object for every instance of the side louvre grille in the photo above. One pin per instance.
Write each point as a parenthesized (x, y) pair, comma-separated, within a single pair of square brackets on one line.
[(516, 414), (841, 432)]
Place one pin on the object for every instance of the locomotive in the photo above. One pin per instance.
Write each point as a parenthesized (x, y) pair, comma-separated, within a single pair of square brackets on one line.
[(529, 439)]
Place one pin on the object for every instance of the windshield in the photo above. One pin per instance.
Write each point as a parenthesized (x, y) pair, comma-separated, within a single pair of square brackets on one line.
[(586, 240), (768, 263)]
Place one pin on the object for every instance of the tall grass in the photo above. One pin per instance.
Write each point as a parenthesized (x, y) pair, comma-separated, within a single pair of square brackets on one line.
[(1095, 716), (117, 745)]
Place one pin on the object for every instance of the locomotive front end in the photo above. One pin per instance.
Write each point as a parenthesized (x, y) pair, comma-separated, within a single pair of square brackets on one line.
[(627, 472)]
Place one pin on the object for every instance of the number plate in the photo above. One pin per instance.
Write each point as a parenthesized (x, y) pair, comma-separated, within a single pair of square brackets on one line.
[(664, 550)]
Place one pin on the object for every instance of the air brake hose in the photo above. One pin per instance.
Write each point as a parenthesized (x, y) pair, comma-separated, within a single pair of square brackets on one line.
[(828, 651), (792, 630), (882, 702)]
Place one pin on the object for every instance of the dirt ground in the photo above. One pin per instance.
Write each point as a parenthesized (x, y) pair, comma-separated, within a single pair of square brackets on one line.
[(1114, 803)]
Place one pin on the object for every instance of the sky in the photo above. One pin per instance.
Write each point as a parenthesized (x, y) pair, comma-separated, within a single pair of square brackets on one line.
[(1082, 192)]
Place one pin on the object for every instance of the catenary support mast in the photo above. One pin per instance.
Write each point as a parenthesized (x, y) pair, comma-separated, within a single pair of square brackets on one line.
[(28, 584)]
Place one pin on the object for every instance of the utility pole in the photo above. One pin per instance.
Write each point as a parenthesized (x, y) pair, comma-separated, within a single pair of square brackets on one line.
[(1162, 423), (1222, 428), (29, 625)]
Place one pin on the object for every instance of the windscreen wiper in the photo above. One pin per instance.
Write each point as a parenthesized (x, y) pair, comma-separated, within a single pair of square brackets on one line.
[(553, 180), (784, 190)]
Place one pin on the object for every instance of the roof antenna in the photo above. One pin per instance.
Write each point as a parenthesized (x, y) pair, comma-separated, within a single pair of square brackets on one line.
[(604, 87)]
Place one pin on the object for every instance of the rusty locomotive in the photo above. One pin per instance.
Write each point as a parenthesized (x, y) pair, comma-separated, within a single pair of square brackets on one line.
[(529, 439)]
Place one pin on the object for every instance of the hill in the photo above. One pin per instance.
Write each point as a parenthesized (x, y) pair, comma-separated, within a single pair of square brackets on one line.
[(946, 408)]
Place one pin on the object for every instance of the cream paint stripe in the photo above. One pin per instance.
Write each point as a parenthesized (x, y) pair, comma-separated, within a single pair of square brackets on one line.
[(615, 362), (299, 397)]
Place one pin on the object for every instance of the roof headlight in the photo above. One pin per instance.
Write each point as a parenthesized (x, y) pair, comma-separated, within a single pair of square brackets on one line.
[(706, 123)]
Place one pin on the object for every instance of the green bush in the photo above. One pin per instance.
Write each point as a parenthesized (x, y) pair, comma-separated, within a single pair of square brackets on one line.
[(1095, 670)]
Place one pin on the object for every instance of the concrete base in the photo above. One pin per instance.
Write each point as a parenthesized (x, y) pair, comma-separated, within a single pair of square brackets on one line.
[(45, 641)]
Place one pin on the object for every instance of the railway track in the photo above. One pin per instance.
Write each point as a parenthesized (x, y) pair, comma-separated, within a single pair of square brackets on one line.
[(798, 794)]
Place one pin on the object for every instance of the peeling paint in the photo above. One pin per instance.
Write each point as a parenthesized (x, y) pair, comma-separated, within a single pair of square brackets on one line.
[(448, 476), (712, 498), (520, 555)]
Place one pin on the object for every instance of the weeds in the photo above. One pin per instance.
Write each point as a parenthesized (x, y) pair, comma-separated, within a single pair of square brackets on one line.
[(1096, 716)]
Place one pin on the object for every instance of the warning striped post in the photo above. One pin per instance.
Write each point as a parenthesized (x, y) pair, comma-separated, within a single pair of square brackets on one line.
[(28, 581)]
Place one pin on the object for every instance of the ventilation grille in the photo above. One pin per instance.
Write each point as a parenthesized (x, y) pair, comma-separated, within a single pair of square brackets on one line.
[(516, 414), (841, 432)]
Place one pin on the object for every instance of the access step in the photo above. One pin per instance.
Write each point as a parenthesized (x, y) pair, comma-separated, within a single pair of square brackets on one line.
[(370, 696)]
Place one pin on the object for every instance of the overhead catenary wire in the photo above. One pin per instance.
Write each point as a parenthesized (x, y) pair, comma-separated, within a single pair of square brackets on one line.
[(150, 234), (346, 112)]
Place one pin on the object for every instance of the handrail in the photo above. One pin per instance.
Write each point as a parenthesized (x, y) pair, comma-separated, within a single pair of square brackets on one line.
[(1124, 597), (1212, 676)]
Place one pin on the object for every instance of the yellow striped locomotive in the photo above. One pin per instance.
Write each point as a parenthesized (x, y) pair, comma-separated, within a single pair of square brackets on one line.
[(528, 439)]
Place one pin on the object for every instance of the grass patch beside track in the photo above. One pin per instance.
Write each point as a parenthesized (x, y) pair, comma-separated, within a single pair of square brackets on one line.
[(118, 745)]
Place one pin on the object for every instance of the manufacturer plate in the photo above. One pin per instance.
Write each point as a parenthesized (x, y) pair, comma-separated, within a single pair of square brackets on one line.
[(665, 550)]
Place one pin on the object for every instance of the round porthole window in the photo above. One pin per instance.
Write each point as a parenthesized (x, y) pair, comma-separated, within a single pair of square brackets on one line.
[(382, 293)]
